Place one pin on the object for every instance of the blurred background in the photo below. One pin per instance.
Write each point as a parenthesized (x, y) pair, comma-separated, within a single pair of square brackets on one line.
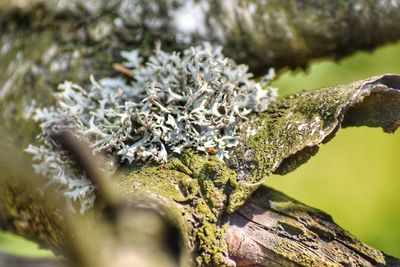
[(355, 177)]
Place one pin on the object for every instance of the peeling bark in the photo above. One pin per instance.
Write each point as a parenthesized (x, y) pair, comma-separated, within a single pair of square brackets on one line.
[(291, 130)]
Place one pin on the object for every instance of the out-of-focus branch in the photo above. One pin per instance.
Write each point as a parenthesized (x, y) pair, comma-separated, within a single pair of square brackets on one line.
[(128, 233), (286, 33), (263, 34), (24, 210), (18, 261)]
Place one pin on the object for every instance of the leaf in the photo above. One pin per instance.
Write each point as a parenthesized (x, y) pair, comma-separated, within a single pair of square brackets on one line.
[(290, 131)]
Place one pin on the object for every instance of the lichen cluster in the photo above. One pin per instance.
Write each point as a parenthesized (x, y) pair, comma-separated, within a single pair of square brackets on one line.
[(194, 99)]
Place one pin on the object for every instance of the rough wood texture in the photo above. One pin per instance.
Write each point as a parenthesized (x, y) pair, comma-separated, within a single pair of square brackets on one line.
[(272, 229)]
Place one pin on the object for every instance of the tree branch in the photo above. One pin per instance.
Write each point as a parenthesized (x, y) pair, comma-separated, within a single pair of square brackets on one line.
[(268, 34), (290, 131), (25, 210), (195, 191)]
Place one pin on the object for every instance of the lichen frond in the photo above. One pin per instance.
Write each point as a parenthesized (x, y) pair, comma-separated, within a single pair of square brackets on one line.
[(197, 99)]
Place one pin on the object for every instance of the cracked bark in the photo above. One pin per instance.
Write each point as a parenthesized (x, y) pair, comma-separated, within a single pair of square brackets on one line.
[(271, 225)]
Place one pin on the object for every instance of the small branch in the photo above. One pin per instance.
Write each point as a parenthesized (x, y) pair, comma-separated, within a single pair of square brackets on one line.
[(122, 69), (89, 164)]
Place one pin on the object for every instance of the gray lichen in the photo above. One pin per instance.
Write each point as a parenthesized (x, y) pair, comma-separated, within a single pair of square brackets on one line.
[(174, 101)]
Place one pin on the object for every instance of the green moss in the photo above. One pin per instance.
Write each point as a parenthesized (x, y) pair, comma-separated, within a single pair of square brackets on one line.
[(157, 180), (214, 183), (218, 171), (212, 237), (239, 195), (194, 188), (193, 161), (286, 135), (176, 164)]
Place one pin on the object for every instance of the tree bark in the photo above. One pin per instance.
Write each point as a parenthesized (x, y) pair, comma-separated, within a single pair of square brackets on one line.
[(272, 229)]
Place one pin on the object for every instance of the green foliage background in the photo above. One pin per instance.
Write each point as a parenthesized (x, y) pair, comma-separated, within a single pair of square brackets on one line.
[(355, 177)]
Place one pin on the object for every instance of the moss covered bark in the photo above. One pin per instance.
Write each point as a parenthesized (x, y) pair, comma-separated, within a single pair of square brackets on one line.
[(193, 191), (289, 133)]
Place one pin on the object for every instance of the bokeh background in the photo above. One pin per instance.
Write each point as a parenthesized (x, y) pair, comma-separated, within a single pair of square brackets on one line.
[(355, 177)]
